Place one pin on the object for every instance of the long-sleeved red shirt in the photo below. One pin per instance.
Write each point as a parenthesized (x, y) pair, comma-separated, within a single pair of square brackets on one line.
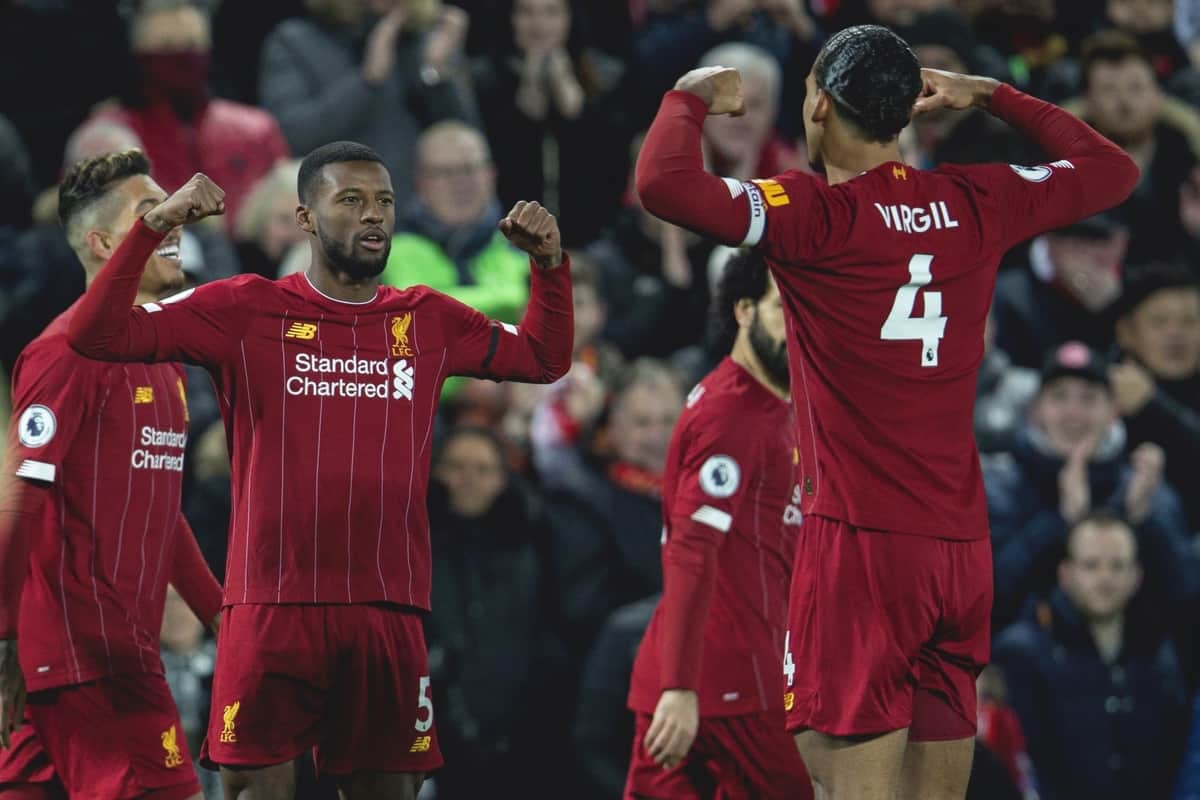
[(93, 532), (329, 408), (729, 530), (887, 281)]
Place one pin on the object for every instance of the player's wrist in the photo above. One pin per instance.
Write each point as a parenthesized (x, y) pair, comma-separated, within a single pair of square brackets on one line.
[(982, 91)]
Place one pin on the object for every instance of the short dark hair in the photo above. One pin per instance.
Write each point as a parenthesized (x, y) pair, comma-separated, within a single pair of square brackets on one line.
[(89, 181), (1150, 278), (746, 275), (873, 78), (332, 153), (1109, 47), (1099, 518)]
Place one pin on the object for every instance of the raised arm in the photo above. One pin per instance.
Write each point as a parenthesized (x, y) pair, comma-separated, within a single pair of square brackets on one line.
[(1087, 173), (670, 179), (108, 327), (538, 349)]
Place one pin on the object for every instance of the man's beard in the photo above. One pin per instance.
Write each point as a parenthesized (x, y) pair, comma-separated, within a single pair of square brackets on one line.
[(771, 354), (344, 260)]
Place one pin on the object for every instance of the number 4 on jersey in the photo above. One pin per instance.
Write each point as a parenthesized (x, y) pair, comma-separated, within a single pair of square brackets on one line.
[(901, 325)]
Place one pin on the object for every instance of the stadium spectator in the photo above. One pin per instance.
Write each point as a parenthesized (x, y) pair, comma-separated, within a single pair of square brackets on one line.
[(1152, 22), (1101, 699), (608, 521), (1065, 292), (495, 663), (944, 40), (365, 70), (447, 237), (1123, 100), (1157, 385), (557, 128), (654, 280), (748, 146), (674, 35), (183, 128), (1068, 461), (1002, 397), (265, 229)]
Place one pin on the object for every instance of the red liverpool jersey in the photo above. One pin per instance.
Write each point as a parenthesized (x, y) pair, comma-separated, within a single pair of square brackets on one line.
[(329, 409), (887, 280), (107, 442), (728, 489)]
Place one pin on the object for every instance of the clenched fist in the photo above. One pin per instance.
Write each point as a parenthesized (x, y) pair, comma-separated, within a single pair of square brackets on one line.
[(534, 230), (195, 200), (719, 87)]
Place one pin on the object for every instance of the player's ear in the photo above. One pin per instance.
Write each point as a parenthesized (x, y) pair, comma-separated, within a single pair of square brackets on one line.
[(99, 244), (304, 219), (821, 107), (743, 312)]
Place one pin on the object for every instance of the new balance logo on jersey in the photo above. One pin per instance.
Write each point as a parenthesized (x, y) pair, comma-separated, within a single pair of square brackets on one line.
[(143, 394), (773, 193), (421, 745), (402, 382), (301, 330)]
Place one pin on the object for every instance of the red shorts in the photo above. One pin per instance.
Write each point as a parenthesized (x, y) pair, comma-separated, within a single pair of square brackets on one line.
[(24, 761), (109, 739), (350, 681), (886, 631), (744, 756)]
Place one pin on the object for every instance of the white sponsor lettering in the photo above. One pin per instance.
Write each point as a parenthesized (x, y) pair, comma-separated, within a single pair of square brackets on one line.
[(355, 383), (301, 386), (153, 436), (916, 219), (143, 458), (307, 362)]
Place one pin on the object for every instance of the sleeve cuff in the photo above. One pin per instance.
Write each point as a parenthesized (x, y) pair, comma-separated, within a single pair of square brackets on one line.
[(694, 106)]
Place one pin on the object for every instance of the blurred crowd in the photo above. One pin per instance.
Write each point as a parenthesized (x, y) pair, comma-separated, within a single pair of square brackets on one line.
[(545, 507)]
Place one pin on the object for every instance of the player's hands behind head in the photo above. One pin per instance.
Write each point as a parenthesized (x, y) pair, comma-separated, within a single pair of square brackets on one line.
[(673, 729), (12, 692), (534, 230), (195, 200), (719, 87), (953, 91)]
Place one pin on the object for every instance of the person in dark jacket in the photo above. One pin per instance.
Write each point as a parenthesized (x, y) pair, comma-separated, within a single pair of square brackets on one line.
[(495, 666), (607, 514), (1102, 701), (1157, 385), (372, 72), (1066, 291), (1068, 461)]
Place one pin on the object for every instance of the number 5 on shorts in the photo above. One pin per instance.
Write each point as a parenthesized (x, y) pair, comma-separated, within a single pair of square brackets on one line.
[(424, 701)]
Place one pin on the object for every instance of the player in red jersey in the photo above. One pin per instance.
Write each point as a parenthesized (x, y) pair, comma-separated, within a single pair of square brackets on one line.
[(329, 385), (91, 533), (707, 688), (887, 275)]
